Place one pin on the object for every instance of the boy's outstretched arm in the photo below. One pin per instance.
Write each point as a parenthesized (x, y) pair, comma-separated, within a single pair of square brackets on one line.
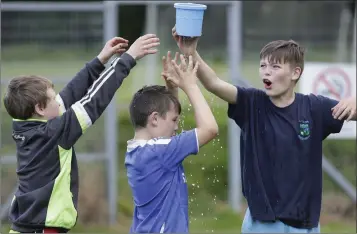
[(205, 74), (82, 114), (79, 85), (179, 147), (206, 125)]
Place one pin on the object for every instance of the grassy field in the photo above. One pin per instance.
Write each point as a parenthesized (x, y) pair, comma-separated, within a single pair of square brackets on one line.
[(208, 213)]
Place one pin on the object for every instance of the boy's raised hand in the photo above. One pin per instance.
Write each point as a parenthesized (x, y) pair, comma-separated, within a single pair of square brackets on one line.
[(168, 70), (144, 45), (115, 45), (186, 45), (186, 74)]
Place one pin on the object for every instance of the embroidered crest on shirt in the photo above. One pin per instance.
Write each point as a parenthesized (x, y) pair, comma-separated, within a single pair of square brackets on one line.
[(304, 129)]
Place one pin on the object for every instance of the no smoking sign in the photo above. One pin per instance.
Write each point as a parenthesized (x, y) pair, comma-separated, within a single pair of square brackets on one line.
[(333, 83), (332, 80)]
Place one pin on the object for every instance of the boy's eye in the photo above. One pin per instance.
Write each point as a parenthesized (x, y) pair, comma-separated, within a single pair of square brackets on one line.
[(262, 65), (276, 66)]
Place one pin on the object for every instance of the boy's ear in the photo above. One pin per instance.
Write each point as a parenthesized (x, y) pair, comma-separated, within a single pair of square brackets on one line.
[(153, 119), (39, 110), (296, 73)]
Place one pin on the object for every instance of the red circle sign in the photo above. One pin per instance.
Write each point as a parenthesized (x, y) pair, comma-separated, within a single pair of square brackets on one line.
[(333, 83)]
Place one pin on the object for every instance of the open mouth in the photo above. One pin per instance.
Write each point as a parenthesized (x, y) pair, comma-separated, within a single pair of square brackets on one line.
[(267, 83)]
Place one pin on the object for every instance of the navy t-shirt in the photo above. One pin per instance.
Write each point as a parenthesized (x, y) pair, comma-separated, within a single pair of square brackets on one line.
[(281, 155)]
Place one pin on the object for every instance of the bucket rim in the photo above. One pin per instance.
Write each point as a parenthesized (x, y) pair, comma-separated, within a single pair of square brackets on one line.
[(190, 6)]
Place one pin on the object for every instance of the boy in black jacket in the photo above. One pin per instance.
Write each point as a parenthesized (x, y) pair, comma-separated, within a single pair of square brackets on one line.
[(46, 126)]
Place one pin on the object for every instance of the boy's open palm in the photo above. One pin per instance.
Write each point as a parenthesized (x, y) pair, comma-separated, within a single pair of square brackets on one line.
[(144, 45), (186, 74), (168, 70), (116, 45)]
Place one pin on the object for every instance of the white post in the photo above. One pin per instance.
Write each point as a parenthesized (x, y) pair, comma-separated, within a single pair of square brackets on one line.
[(110, 15), (234, 48), (354, 38), (151, 27)]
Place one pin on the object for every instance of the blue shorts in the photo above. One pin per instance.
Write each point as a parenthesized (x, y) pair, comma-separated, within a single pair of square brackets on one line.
[(251, 226)]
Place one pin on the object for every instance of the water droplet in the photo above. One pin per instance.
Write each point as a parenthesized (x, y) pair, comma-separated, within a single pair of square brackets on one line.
[(201, 214), (193, 185), (203, 168)]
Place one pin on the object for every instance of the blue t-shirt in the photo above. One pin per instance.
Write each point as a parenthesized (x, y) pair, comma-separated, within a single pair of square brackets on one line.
[(157, 179), (281, 155)]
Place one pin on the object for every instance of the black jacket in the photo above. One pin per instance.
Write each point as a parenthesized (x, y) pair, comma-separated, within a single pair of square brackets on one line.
[(47, 168)]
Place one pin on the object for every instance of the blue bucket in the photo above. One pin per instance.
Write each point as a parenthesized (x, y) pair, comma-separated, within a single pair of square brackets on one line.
[(189, 19)]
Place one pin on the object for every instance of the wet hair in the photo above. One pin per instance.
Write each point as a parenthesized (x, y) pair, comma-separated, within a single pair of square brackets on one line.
[(149, 99)]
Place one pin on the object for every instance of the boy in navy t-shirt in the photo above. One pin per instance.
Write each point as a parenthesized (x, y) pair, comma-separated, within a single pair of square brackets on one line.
[(282, 134), (154, 157)]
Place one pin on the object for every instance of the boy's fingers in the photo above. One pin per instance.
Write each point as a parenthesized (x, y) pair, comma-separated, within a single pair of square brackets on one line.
[(148, 36), (164, 63), (195, 68), (183, 61), (177, 69), (120, 39), (338, 110), (168, 56), (120, 46), (148, 46), (344, 113), (190, 63), (152, 51), (151, 41), (176, 56)]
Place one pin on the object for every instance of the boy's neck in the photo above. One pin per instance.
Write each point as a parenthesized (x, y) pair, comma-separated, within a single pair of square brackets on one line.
[(38, 117), (142, 134), (285, 99)]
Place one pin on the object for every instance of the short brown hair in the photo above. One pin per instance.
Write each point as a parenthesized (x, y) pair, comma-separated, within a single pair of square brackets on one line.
[(283, 51), (23, 93), (149, 99)]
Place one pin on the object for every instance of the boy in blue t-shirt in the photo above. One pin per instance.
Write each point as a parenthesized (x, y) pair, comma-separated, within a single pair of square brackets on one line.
[(282, 134), (154, 157)]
